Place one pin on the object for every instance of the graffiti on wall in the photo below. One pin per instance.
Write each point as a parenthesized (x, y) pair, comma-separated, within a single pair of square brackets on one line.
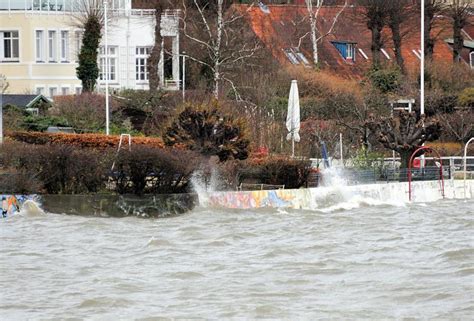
[(257, 199)]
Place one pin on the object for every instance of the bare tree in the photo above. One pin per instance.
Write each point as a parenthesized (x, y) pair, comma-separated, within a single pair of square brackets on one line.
[(398, 12), (316, 34), (433, 8), (155, 55), (217, 33), (404, 133), (459, 124), (375, 16), (459, 12)]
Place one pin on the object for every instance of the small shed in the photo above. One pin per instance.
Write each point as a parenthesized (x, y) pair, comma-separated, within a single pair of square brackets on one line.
[(31, 103)]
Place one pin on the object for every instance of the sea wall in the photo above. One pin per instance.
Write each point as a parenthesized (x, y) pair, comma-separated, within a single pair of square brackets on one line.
[(161, 205), (325, 197)]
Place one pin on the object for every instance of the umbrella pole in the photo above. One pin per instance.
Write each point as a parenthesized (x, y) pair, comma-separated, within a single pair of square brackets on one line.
[(292, 146)]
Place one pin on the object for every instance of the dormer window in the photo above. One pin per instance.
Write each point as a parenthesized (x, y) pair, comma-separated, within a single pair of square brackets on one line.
[(346, 49), (296, 57)]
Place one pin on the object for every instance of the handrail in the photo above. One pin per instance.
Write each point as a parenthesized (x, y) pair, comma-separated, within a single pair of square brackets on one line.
[(465, 163), (120, 146), (428, 150)]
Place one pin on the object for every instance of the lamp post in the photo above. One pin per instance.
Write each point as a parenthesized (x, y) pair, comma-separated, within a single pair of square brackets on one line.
[(183, 77), (107, 120), (3, 82), (422, 73)]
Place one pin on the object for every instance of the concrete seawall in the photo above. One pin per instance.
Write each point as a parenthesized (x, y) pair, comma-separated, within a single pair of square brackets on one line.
[(119, 205), (324, 197)]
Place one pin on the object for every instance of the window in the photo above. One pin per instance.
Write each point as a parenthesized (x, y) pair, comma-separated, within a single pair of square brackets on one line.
[(40, 46), (112, 59), (363, 54), (53, 91), (291, 57), (471, 58), (346, 49), (9, 46), (350, 51), (52, 46), (416, 53), (78, 37), (141, 63), (64, 46), (78, 90), (385, 54), (40, 90), (65, 91)]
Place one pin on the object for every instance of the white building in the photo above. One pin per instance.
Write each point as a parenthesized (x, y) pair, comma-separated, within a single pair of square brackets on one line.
[(40, 41)]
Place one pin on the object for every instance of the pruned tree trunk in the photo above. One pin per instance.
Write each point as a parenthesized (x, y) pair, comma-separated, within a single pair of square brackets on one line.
[(404, 133), (458, 40), (155, 55), (396, 15), (376, 45), (430, 12)]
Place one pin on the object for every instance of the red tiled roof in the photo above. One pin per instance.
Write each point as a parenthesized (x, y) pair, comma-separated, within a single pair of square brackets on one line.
[(284, 26)]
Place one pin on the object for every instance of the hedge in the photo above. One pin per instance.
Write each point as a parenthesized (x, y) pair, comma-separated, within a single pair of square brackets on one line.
[(81, 140)]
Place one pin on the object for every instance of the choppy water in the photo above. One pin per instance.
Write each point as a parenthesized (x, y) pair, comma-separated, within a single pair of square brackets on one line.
[(373, 262)]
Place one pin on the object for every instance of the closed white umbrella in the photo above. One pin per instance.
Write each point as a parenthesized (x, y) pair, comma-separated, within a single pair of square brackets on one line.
[(293, 117)]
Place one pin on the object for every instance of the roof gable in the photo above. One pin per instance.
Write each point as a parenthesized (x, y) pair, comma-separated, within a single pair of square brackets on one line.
[(24, 101)]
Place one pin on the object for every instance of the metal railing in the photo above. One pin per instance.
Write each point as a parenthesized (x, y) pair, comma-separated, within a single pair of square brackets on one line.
[(257, 187)]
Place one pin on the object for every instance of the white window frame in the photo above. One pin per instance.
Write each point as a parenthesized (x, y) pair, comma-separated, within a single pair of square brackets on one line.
[(65, 90), (40, 48), (13, 58), (40, 90), (64, 45), (55, 88), (385, 54), (417, 54), (52, 46), (78, 34), (363, 54), (471, 59), (142, 53), (113, 63), (350, 51)]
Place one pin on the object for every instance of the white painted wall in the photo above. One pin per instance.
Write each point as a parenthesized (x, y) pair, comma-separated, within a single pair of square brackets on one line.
[(127, 33)]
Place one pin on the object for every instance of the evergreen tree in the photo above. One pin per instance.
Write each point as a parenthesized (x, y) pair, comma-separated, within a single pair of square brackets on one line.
[(88, 71)]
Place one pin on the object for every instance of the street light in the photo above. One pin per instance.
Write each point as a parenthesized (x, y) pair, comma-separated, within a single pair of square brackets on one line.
[(183, 77)]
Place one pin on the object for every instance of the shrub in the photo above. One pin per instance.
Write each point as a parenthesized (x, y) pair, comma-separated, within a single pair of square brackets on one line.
[(57, 168), (41, 123), (151, 170), (81, 140), (386, 80), (466, 97), (85, 112), (440, 102), (209, 132)]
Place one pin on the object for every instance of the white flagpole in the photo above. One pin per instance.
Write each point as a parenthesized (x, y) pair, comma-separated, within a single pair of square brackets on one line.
[(422, 71), (107, 120)]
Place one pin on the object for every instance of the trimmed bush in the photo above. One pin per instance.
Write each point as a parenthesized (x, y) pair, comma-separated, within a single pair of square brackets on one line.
[(151, 170), (209, 132), (81, 140), (56, 169)]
